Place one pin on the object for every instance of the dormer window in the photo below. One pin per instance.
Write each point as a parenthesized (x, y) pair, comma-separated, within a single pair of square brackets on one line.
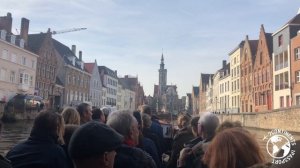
[(13, 39)]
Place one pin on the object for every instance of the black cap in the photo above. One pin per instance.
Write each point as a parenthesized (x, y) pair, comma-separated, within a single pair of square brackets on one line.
[(93, 139)]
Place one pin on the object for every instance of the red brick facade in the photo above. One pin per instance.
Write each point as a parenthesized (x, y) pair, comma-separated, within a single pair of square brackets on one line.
[(262, 73), (295, 69), (247, 60)]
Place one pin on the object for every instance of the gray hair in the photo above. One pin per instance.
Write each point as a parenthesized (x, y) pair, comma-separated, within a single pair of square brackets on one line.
[(209, 122), (121, 121)]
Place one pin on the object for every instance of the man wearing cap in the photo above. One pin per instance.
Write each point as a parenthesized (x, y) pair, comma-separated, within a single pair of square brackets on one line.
[(128, 155), (93, 145)]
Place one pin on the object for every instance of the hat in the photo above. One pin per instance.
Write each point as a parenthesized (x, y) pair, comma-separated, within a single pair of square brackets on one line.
[(93, 139)]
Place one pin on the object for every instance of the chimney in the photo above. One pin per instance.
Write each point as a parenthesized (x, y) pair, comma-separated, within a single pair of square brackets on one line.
[(126, 76), (224, 64), (24, 29), (74, 49), (80, 55), (6, 23)]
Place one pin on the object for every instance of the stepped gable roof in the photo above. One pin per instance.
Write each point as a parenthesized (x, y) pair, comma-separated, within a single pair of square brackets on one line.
[(89, 67), (35, 41), (196, 90), (253, 47), (269, 40), (107, 71), (64, 52)]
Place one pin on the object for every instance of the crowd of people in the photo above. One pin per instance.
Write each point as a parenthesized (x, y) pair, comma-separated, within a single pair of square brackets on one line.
[(91, 138)]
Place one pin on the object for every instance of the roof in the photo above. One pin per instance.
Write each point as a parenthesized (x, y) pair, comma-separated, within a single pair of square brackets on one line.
[(294, 21), (196, 90), (64, 52), (253, 47), (89, 67), (107, 71), (269, 40), (129, 83), (241, 45), (35, 41), (204, 80)]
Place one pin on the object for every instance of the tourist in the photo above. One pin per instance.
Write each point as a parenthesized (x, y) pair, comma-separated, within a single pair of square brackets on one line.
[(128, 155), (145, 143), (233, 148), (4, 163), (69, 130), (98, 115), (183, 135), (85, 112), (194, 127), (228, 124), (42, 148), (191, 157), (71, 116), (94, 145)]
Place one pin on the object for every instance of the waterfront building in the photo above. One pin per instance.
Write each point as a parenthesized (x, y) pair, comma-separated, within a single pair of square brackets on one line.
[(224, 88), (109, 80), (295, 69), (262, 73), (281, 62), (73, 75), (95, 84), (17, 62), (235, 64), (247, 61)]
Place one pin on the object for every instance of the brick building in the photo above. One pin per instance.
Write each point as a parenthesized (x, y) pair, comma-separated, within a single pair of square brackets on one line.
[(247, 61), (262, 73), (72, 75), (295, 69)]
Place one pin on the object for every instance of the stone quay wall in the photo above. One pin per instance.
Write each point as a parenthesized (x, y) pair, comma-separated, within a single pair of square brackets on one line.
[(287, 119)]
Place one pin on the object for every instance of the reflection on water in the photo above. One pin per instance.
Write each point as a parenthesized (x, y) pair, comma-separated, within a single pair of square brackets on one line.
[(12, 133)]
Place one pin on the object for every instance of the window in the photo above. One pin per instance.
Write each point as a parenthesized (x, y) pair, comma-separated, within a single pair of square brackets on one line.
[(287, 101), (21, 78), (32, 63), (280, 40), (3, 74), (297, 75), (297, 100), (5, 54), (12, 77), (297, 53), (31, 80), (13, 58), (23, 61)]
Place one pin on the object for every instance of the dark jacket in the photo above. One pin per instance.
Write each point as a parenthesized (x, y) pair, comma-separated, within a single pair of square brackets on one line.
[(4, 163), (184, 135), (148, 146), (38, 152), (157, 129), (149, 134), (131, 157)]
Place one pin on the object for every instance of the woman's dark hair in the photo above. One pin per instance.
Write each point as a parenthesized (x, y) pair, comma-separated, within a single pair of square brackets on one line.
[(97, 113)]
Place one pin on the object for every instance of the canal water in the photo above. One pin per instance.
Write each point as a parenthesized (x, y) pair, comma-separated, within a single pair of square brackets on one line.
[(12, 133)]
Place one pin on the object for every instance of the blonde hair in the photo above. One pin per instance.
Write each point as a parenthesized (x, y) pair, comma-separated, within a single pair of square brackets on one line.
[(71, 116)]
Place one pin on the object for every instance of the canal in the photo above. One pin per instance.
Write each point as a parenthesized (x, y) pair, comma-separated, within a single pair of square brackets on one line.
[(13, 133)]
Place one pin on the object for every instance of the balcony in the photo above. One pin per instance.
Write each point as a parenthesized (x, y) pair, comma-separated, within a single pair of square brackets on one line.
[(23, 87)]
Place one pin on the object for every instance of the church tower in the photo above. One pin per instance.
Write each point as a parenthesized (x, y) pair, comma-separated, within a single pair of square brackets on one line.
[(162, 76)]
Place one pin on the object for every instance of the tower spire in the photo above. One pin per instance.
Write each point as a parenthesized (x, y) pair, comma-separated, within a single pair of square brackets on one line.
[(162, 56)]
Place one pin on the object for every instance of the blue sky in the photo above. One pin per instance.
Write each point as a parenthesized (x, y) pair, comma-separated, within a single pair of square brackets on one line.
[(128, 35)]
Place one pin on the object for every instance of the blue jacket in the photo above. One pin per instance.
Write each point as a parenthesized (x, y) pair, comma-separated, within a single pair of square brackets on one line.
[(38, 152)]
